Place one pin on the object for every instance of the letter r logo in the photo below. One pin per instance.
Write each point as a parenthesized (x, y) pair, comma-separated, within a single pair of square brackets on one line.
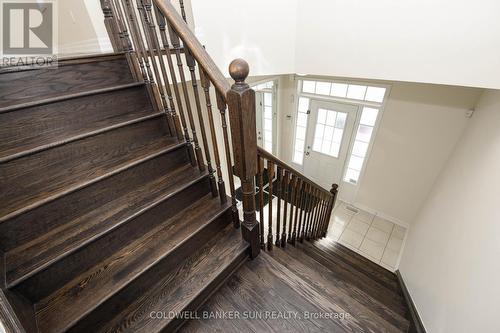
[(27, 28)]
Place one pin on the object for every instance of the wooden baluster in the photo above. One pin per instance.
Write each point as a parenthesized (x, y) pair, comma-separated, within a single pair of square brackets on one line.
[(302, 208), (260, 176), (318, 214), (182, 130), (270, 176), (221, 104), (308, 211), (141, 52), (158, 88), (331, 205), (165, 90), (205, 83), (174, 39), (286, 182), (183, 10), (313, 214), (293, 192), (279, 195), (241, 102), (111, 25), (133, 57), (297, 204), (322, 216)]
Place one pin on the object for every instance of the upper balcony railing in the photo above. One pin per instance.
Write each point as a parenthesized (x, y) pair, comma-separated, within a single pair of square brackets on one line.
[(161, 51)]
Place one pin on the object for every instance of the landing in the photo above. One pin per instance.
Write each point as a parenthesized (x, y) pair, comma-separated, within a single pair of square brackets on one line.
[(320, 287)]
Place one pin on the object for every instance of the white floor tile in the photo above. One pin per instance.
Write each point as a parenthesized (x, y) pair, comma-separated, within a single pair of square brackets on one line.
[(377, 235), (344, 209), (382, 224), (399, 232), (365, 216), (390, 258), (335, 231), (358, 226), (352, 238), (373, 249), (341, 218), (394, 244)]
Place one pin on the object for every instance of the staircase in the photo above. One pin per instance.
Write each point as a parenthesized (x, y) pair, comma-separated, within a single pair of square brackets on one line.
[(114, 173), (103, 215)]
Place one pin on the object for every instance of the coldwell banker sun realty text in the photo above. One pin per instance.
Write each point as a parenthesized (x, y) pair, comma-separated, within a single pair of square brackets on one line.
[(29, 32)]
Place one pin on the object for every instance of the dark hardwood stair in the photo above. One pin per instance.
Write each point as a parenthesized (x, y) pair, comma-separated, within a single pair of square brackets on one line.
[(103, 211)]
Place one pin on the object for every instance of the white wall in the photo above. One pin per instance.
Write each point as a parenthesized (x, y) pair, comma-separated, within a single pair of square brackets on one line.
[(451, 42), (420, 127), (451, 259), (262, 32)]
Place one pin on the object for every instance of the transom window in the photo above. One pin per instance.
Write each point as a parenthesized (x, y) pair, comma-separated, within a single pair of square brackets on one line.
[(329, 132), (345, 90)]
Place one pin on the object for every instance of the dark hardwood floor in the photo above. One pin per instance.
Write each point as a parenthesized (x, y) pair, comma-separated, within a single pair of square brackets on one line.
[(315, 287)]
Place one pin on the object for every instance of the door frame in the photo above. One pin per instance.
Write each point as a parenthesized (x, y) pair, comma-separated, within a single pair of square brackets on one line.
[(347, 191), (347, 137), (260, 108)]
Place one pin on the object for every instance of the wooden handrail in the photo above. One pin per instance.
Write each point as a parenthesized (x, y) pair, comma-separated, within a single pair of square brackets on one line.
[(195, 47), (264, 153)]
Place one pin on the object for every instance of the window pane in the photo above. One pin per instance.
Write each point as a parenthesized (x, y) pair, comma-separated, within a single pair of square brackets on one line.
[(299, 145), (360, 148), (356, 163), (351, 176), (323, 88), (341, 119), (328, 133), (364, 133), (268, 125), (319, 131), (325, 147), (302, 120), (335, 149), (322, 116), (301, 133), (369, 116), (356, 92), (269, 85), (309, 87), (339, 90), (268, 135), (375, 94), (268, 99), (337, 135), (297, 157), (268, 145), (317, 144), (330, 118), (268, 112), (303, 104)]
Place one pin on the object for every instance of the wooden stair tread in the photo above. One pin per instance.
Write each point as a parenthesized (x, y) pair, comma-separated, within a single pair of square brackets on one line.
[(86, 161), (65, 121), (175, 292), (35, 255), (84, 293), (372, 313)]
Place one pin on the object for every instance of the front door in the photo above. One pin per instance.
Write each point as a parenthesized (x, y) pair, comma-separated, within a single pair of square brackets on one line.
[(327, 142)]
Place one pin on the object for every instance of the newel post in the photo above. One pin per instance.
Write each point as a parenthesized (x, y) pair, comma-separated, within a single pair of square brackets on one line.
[(331, 205), (241, 105)]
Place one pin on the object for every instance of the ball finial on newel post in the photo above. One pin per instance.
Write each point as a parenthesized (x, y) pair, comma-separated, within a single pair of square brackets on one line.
[(334, 189), (239, 70)]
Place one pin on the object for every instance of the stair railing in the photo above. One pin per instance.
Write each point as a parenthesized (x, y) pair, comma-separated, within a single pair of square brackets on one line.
[(303, 208), (162, 51)]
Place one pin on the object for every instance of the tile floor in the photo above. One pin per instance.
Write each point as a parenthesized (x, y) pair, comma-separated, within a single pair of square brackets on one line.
[(371, 236)]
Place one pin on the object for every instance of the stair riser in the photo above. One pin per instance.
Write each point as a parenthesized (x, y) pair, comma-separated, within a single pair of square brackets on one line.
[(140, 286), (35, 223), (84, 75), (47, 281), (50, 123), (36, 177)]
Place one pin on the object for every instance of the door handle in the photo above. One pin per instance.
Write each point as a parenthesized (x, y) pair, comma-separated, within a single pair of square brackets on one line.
[(307, 153)]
